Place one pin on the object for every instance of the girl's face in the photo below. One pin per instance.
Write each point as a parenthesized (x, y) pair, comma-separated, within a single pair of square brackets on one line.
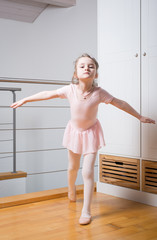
[(86, 69)]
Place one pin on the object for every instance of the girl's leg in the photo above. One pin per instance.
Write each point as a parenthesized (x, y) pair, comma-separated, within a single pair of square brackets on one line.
[(73, 167), (88, 178)]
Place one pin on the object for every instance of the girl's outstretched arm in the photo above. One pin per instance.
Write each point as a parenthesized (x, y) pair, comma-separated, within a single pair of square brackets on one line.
[(36, 97), (127, 108)]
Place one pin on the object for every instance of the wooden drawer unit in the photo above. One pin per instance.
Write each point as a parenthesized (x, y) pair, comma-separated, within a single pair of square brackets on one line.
[(120, 171), (149, 176)]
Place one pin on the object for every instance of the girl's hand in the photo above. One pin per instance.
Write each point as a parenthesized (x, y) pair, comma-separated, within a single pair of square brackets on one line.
[(147, 120), (18, 103)]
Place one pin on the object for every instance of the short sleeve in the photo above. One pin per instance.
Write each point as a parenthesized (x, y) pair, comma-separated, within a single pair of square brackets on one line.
[(63, 92), (105, 96)]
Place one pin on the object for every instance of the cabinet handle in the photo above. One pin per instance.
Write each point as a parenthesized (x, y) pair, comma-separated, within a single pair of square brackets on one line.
[(144, 54), (136, 55)]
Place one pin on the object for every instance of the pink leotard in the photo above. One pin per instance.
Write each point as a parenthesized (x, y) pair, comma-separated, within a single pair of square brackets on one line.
[(83, 133)]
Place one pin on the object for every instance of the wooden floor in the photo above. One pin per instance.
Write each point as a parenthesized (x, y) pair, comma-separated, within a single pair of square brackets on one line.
[(57, 219)]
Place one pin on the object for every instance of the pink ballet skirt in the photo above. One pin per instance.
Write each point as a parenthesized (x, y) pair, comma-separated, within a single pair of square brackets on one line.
[(83, 141)]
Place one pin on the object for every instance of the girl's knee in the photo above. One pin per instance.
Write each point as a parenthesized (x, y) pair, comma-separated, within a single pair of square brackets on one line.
[(87, 174), (72, 169)]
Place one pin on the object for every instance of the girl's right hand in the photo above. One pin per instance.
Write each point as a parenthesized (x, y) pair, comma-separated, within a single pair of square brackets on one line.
[(18, 103)]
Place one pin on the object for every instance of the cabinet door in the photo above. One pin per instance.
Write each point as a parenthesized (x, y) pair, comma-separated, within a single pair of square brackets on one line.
[(149, 77), (119, 74)]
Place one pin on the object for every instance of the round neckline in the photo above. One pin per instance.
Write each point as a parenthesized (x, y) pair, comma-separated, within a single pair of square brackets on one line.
[(86, 99)]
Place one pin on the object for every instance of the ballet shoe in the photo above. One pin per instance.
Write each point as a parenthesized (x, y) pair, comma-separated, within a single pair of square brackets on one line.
[(73, 198), (85, 220)]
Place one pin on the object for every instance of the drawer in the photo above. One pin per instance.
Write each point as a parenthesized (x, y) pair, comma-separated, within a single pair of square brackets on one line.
[(120, 171), (149, 176)]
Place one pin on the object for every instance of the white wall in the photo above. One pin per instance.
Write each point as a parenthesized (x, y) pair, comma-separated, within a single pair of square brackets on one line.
[(45, 50)]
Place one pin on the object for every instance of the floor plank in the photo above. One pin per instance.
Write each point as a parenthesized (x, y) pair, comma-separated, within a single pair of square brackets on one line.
[(113, 218)]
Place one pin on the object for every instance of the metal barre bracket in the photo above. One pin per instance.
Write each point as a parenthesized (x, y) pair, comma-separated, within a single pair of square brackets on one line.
[(14, 123)]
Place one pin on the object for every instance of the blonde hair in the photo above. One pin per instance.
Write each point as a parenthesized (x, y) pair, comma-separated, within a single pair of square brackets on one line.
[(74, 79)]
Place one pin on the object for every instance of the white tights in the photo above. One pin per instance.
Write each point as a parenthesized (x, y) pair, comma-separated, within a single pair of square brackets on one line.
[(88, 178)]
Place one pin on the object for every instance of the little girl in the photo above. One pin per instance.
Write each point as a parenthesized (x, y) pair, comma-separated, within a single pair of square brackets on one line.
[(83, 134)]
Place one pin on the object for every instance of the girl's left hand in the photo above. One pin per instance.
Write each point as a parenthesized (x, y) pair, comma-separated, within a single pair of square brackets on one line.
[(147, 120)]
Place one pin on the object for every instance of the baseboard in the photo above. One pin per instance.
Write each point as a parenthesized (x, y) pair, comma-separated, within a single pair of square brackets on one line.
[(37, 196), (126, 193)]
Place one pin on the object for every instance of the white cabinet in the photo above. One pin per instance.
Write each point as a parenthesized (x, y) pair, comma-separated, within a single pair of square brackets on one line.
[(127, 54), (149, 76)]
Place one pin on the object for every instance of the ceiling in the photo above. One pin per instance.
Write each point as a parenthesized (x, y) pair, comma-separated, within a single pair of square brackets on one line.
[(29, 10)]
